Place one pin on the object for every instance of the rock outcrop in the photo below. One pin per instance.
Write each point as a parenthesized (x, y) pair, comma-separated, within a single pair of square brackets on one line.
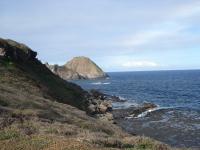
[(78, 68), (86, 68), (16, 51), (100, 106), (134, 111), (64, 72)]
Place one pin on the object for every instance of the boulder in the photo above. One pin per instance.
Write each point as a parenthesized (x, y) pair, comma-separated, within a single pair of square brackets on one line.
[(97, 95), (107, 104), (147, 106), (2, 52), (116, 99), (92, 109), (102, 108), (108, 117)]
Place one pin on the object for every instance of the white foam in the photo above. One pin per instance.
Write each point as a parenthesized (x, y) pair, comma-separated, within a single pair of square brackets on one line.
[(106, 83), (121, 98), (146, 112), (100, 83), (143, 114)]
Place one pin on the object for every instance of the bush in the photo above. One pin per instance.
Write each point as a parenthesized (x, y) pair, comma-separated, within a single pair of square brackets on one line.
[(3, 103), (9, 134)]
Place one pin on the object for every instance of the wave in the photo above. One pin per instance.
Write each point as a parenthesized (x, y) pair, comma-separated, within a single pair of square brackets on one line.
[(100, 83), (145, 113)]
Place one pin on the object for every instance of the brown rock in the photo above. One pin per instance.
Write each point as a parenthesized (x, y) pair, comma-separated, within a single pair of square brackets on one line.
[(108, 104), (92, 109), (64, 72), (102, 108), (108, 117), (86, 68), (2, 52)]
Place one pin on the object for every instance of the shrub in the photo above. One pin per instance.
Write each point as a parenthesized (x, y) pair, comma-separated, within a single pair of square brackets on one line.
[(3, 103), (9, 134)]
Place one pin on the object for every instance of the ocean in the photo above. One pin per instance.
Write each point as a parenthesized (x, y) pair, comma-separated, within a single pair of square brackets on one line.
[(177, 94)]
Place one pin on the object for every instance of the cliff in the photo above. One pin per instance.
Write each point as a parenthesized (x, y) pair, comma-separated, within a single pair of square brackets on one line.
[(78, 68), (64, 72), (86, 68)]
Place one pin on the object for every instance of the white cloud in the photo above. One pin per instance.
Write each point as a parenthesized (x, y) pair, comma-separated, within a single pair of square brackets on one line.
[(143, 63), (186, 10), (145, 37), (172, 26)]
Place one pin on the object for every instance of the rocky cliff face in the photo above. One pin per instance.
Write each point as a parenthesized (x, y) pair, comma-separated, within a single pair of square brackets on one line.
[(86, 68), (78, 68), (64, 72)]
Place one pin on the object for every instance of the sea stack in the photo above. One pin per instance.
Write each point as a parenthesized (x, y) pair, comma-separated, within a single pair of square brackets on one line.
[(86, 68), (78, 68)]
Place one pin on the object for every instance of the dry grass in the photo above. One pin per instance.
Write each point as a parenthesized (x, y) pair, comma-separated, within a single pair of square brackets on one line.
[(27, 130)]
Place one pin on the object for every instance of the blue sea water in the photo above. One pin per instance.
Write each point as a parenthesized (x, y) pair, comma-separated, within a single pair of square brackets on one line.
[(178, 92), (165, 88)]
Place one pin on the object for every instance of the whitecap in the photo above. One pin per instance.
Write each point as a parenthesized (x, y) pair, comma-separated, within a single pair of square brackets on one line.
[(96, 83), (143, 114), (100, 83), (106, 83)]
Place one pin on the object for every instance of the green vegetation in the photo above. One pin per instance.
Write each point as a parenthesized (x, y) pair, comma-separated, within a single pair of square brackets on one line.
[(9, 134)]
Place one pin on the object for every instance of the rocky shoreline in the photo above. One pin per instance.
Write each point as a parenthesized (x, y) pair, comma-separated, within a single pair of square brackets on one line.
[(101, 107)]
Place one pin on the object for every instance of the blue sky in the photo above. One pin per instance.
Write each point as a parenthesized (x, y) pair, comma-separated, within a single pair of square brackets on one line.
[(119, 35)]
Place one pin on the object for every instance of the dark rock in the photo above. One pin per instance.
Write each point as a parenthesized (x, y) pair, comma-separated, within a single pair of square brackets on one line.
[(116, 99), (149, 105), (97, 95), (133, 111), (16, 51), (101, 96)]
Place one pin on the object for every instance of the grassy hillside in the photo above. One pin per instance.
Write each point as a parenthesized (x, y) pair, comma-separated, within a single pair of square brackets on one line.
[(38, 110), (33, 73)]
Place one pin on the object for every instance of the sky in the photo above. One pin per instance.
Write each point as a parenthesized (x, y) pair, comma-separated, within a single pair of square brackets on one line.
[(119, 35)]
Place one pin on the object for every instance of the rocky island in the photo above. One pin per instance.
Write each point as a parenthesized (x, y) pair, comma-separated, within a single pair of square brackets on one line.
[(78, 68), (40, 110)]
